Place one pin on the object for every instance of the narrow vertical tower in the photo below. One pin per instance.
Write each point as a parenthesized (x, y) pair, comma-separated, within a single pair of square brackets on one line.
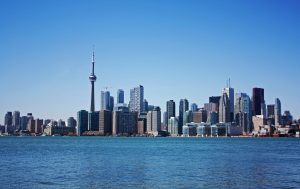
[(93, 79)]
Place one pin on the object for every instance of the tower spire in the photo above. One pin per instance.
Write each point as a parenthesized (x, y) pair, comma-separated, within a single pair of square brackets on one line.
[(93, 79)]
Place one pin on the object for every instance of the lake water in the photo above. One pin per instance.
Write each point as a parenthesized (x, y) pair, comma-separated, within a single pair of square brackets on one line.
[(99, 162)]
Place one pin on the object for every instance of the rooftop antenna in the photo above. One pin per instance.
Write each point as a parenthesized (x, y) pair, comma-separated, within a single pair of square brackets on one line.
[(229, 83)]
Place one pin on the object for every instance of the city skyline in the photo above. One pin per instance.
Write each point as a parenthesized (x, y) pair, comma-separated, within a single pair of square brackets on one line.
[(50, 73)]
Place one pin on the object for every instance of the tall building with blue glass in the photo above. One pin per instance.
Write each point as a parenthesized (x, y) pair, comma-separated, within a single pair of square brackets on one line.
[(82, 122)]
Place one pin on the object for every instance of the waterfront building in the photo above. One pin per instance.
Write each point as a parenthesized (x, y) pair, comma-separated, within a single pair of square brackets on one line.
[(71, 122), (51, 130), (189, 129), (82, 118), (8, 121), (142, 123), (120, 96), (154, 121), (61, 123), (277, 112), (31, 125), (171, 109), (224, 109), (124, 122), (136, 103), (16, 120), (105, 122), (173, 126), (24, 120), (271, 111), (258, 101), (183, 107), (93, 121), (38, 126)]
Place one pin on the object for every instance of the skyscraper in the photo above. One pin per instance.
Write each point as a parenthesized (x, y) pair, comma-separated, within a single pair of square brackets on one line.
[(120, 96), (224, 109), (111, 103), (258, 101), (154, 121), (16, 120), (216, 100), (105, 122), (183, 107), (230, 93), (105, 100), (243, 112), (277, 112), (82, 119), (171, 110), (93, 79), (136, 103), (93, 121), (194, 107), (173, 126)]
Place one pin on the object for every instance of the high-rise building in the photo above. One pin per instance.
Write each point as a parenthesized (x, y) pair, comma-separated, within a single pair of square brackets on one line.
[(173, 126), (146, 109), (200, 116), (93, 121), (105, 122), (105, 100), (277, 112), (154, 121), (38, 126), (171, 110), (242, 120), (212, 118), (124, 122), (31, 126), (111, 103), (230, 93), (61, 123), (216, 100), (183, 107), (271, 111), (243, 110), (16, 120), (224, 109), (120, 96), (136, 103), (187, 117), (93, 79), (82, 119), (194, 107), (258, 100), (71, 122), (8, 119), (211, 107), (24, 120)]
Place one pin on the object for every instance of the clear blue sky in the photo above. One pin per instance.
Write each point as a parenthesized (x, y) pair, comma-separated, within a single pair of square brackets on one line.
[(174, 48)]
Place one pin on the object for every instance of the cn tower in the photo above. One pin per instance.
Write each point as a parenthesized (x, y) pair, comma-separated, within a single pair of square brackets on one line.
[(93, 79)]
